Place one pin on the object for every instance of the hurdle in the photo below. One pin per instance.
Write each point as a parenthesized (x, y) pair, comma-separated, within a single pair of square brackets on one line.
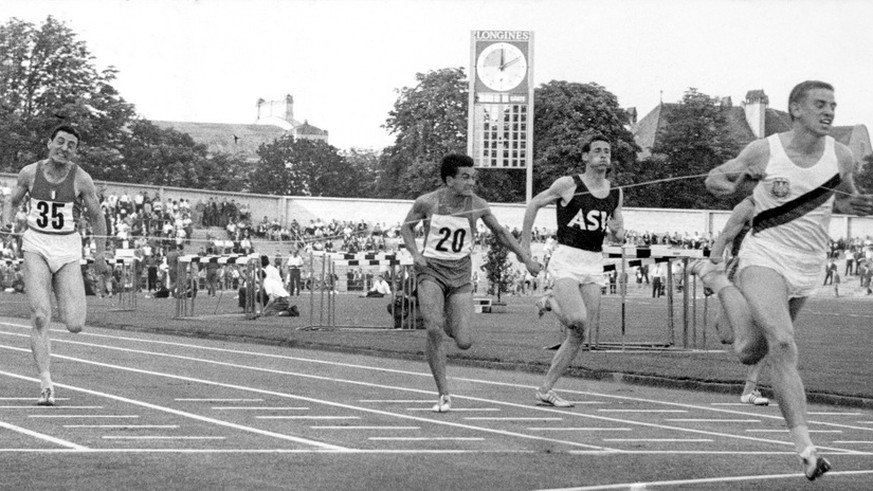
[(632, 256), (185, 304), (400, 265)]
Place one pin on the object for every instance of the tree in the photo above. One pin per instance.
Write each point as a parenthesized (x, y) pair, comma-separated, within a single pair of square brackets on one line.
[(364, 164), (696, 138), (566, 114), (290, 166), (428, 121), (47, 77), (497, 267)]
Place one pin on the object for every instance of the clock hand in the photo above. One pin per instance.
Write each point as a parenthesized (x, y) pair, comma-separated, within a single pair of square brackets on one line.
[(510, 62), (501, 58)]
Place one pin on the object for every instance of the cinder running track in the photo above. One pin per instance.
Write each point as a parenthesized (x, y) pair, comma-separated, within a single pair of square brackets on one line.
[(142, 411)]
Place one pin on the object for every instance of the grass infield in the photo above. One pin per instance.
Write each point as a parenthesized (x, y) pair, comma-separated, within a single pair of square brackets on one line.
[(833, 337)]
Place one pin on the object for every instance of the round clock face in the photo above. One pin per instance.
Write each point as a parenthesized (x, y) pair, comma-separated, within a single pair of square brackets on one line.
[(501, 66)]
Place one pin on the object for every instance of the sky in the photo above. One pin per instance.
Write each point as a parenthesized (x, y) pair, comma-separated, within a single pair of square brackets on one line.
[(344, 61)]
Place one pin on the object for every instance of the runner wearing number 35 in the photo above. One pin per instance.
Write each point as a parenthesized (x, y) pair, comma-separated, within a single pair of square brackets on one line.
[(443, 266), (52, 248)]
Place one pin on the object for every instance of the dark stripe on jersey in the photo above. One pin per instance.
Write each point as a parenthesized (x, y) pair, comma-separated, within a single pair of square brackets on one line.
[(796, 208)]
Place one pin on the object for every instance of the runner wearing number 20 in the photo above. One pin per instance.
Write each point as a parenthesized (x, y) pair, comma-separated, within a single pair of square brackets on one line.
[(52, 248), (444, 267)]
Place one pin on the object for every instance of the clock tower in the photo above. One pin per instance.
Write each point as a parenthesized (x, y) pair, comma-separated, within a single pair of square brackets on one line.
[(500, 129)]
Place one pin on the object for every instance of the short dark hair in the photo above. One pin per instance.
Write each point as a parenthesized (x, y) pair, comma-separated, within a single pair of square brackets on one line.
[(66, 129), (799, 92), (450, 163), (265, 261), (595, 138)]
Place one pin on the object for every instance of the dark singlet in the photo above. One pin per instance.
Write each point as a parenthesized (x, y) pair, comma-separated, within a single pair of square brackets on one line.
[(582, 222), (51, 205)]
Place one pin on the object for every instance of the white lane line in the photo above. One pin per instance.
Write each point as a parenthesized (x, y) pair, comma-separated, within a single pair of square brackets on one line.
[(177, 412), (365, 427), (713, 480), (188, 399), (398, 401), (148, 437), (642, 411), (291, 396), (785, 430), (578, 429), (712, 420), (459, 409), (831, 413), (772, 404), (95, 416), (42, 436), (426, 439), (123, 427), (853, 441), (659, 440), (485, 418), (307, 417), (244, 451), (50, 408), (423, 374), (260, 408), (30, 399)]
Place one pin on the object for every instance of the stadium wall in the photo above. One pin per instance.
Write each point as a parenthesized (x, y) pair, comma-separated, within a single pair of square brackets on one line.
[(393, 211)]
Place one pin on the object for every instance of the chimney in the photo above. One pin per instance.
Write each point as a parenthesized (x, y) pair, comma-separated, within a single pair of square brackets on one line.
[(289, 108), (755, 109), (631, 115), (259, 104)]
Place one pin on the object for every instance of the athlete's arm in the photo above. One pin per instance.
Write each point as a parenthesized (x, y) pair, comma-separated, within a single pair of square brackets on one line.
[(545, 198), (741, 214), (616, 223), (88, 192), (416, 214), (506, 238), (848, 199), (22, 185), (750, 164)]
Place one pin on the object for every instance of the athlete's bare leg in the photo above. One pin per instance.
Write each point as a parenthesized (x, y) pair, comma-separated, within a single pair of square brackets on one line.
[(38, 287), (432, 305), (578, 308), (70, 294), (767, 298)]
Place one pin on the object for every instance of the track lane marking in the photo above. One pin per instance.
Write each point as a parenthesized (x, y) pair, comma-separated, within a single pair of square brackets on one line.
[(42, 436)]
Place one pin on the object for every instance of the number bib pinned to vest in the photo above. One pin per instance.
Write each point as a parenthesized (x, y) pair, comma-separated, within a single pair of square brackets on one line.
[(449, 237), (51, 217)]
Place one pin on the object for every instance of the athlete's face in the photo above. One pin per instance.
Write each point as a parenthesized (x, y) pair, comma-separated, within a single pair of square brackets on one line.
[(463, 181), (62, 147), (815, 112), (599, 156)]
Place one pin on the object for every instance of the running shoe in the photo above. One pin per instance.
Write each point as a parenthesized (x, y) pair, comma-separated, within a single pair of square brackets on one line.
[(813, 465), (552, 399), (754, 398), (444, 405), (46, 397), (543, 304)]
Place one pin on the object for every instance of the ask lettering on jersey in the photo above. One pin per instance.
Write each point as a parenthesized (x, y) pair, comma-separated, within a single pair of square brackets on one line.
[(592, 221)]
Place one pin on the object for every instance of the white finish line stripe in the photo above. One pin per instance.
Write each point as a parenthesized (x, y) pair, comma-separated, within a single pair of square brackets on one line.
[(51, 439), (123, 427), (217, 400), (579, 429), (307, 417), (113, 437), (426, 439), (30, 399), (365, 427), (484, 418), (220, 408), (656, 440), (97, 416), (642, 411), (716, 420), (786, 431), (459, 409), (399, 401), (50, 408)]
